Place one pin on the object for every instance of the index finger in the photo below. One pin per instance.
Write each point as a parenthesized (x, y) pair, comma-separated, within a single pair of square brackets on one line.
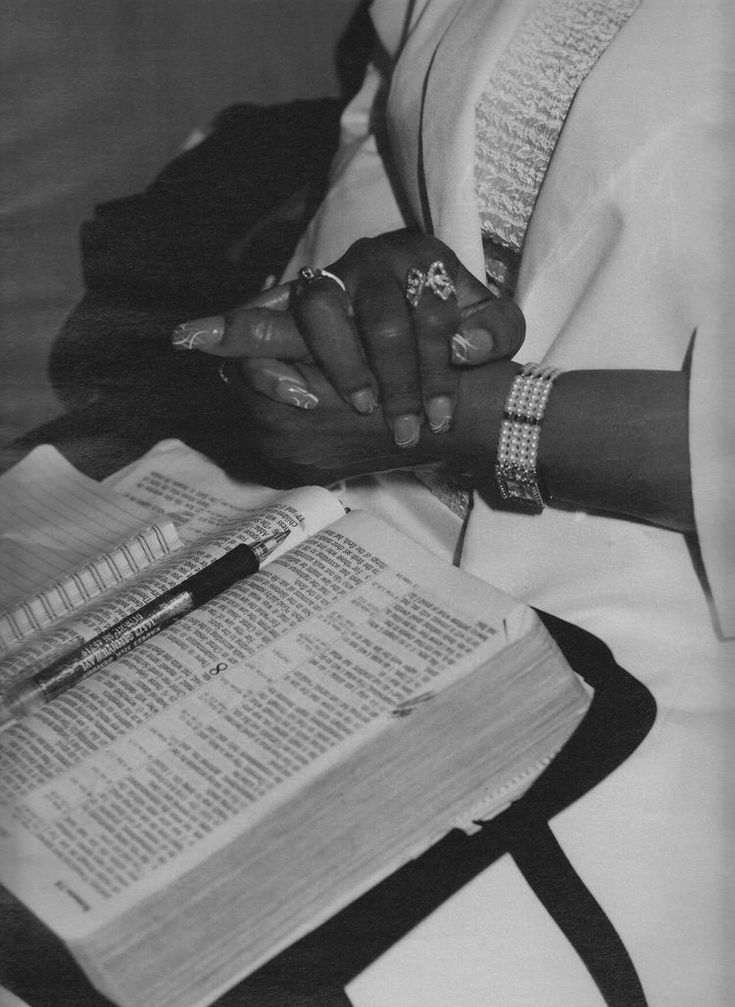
[(252, 330)]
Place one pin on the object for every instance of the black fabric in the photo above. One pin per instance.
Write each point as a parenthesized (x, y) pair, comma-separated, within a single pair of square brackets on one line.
[(203, 237), (222, 216)]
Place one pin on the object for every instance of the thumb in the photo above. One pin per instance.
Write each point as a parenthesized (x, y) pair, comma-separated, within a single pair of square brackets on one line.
[(493, 330)]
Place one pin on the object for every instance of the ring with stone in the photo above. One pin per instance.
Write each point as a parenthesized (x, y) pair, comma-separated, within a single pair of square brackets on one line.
[(308, 274), (436, 280)]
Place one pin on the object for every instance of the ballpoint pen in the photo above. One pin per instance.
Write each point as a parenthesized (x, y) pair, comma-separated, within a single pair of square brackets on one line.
[(52, 680)]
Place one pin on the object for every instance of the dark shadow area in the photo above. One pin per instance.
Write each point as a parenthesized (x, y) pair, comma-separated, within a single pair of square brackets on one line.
[(202, 238)]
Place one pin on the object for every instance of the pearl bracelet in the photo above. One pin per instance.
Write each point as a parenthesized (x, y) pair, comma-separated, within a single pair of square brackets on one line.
[(515, 468)]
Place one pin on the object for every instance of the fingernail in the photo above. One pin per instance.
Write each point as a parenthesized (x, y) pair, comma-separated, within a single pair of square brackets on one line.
[(472, 346), (295, 395), (406, 430), (439, 414), (364, 401), (200, 334)]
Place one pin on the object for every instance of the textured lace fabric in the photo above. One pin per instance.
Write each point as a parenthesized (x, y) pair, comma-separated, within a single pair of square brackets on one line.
[(521, 112), (517, 122)]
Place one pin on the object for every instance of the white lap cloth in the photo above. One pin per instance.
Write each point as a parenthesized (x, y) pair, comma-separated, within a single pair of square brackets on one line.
[(628, 254)]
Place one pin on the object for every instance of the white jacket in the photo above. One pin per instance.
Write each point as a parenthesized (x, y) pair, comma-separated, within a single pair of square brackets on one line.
[(628, 255)]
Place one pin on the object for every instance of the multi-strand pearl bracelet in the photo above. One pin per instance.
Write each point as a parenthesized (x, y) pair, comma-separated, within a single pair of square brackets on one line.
[(516, 470)]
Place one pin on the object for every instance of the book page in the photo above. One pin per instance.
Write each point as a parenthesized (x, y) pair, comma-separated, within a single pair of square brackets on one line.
[(197, 494), (300, 512), (66, 539), (141, 772)]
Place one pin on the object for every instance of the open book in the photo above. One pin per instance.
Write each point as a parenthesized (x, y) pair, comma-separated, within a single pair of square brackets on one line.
[(193, 808)]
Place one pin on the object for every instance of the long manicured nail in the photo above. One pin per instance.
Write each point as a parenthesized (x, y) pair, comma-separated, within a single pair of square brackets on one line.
[(295, 394), (406, 430), (364, 401), (201, 334), (472, 346), (439, 414)]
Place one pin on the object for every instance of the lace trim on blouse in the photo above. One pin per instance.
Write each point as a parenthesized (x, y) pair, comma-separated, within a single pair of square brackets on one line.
[(518, 120), (520, 114)]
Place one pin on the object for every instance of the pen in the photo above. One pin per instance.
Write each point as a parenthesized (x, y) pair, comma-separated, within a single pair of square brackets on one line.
[(34, 691)]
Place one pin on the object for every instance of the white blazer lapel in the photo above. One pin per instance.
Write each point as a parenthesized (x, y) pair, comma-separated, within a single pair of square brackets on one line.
[(406, 98), (456, 78)]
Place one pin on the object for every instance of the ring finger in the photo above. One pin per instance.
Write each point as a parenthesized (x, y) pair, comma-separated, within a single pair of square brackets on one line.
[(323, 314)]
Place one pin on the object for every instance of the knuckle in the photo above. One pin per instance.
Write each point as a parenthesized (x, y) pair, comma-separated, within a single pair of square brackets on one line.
[(443, 252), (346, 373), (390, 335), (348, 379), (438, 382), (438, 325), (361, 251), (315, 299), (402, 397), (363, 245), (435, 368), (355, 380), (320, 307), (402, 386), (236, 328), (250, 332), (402, 407)]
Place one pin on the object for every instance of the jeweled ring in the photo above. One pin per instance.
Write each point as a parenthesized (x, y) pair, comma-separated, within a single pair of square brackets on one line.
[(435, 279), (310, 273)]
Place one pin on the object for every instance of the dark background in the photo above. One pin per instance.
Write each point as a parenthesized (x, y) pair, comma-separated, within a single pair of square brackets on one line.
[(96, 98)]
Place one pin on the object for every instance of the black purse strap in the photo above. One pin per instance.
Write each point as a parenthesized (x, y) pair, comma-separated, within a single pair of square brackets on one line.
[(546, 868), (579, 916), (576, 912)]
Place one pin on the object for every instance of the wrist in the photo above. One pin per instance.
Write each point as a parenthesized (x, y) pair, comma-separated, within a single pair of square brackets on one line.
[(471, 445)]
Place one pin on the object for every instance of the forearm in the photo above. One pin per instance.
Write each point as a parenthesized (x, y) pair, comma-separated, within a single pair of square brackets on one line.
[(611, 440), (618, 441)]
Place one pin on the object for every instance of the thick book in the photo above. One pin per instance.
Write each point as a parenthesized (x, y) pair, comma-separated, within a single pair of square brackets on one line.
[(200, 804)]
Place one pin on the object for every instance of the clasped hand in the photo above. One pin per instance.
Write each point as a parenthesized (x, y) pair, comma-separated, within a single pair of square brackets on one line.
[(376, 381)]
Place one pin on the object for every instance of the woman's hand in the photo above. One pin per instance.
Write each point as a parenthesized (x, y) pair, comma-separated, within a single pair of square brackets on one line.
[(333, 441), (611, 441), (371, 344)]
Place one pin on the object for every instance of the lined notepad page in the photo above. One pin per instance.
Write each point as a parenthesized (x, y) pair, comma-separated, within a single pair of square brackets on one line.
[(65, 539)]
